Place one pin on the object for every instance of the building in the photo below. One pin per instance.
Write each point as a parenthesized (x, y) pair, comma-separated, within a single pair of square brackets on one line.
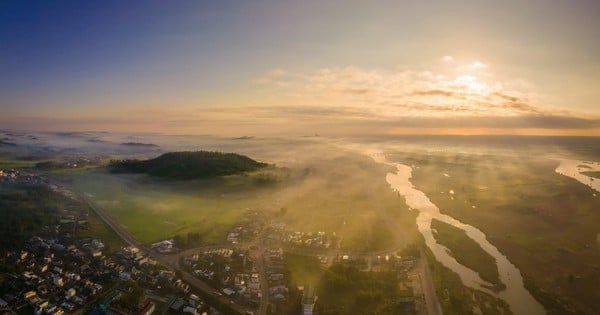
[(58, 281), (148, 309)]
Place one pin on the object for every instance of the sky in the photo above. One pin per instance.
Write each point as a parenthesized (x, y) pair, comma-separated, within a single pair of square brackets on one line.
[(301, 67)]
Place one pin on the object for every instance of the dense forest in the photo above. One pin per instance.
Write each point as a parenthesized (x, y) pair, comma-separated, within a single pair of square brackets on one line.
[(189, 165)]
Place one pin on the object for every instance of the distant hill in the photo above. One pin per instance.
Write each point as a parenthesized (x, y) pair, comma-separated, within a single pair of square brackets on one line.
[(6, 143), (139, 144), (189, 165)]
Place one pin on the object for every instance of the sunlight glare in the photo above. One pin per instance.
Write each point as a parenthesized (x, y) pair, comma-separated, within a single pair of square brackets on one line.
[(470, 84)]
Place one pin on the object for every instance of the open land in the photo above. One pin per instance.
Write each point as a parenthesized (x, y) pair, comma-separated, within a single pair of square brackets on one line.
[(523, 206), (330, 196)]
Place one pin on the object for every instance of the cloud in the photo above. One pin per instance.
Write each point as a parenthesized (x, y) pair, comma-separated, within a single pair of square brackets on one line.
[(437, 93), (520, 122), (447, 59), (388, 94), (455, 98), (477, 65)]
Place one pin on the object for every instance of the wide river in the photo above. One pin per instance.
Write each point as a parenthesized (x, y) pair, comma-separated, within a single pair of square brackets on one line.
[(521, 302)]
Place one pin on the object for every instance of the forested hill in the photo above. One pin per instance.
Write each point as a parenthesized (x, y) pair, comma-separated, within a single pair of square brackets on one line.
[(189, 165)]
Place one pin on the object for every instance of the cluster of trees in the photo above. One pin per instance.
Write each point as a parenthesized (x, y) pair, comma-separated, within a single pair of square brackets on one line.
[(345, 289), (24, 210), (192, 239), (132, 298), (189, 165)]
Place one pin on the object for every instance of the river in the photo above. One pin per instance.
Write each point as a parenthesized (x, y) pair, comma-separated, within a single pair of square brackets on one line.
[(574, 169), (521, 302)]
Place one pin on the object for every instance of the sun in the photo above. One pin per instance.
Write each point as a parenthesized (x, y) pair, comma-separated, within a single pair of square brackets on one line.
[(470, 84)]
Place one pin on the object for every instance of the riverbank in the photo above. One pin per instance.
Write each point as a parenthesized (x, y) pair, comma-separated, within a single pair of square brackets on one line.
[(545, 223)]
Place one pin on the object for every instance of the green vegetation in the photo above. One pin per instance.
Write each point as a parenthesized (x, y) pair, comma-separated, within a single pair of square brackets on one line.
[(523, 206), (189, 241), (457, 299), (96, 228), (190, 165), (344, 289), (153, 211), (347, 195), (347, 290), (24, 210), (303, 269), (8, 162), (467, 252)]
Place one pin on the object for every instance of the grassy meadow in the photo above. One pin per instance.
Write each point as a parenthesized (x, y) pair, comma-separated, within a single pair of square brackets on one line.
[(153, 211)]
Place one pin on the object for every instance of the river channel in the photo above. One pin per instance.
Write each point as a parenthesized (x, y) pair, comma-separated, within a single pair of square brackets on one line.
[(521, 302)]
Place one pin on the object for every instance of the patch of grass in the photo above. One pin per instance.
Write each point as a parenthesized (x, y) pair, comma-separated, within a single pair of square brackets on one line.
[(98, 229), (467, 252), (7, 162)]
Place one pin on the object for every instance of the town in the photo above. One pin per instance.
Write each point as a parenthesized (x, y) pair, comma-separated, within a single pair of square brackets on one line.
[(57, 273)]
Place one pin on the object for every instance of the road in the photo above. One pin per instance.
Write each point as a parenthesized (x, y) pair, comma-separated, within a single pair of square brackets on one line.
[(172, 262), (127, 238), (259, 257), (431, 300)]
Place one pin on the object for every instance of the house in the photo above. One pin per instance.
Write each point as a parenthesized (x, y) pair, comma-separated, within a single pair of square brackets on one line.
[(148, 308), (58, 281), (232, 237), (29, 295), (177, 304), (190, 310), (124, 276), (71, 293), (228, 291)]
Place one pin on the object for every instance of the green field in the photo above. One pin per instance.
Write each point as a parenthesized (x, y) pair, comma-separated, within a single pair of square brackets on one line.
[(98, 229), (152, 211), (347, 195), (523, 207), (9, 162)]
